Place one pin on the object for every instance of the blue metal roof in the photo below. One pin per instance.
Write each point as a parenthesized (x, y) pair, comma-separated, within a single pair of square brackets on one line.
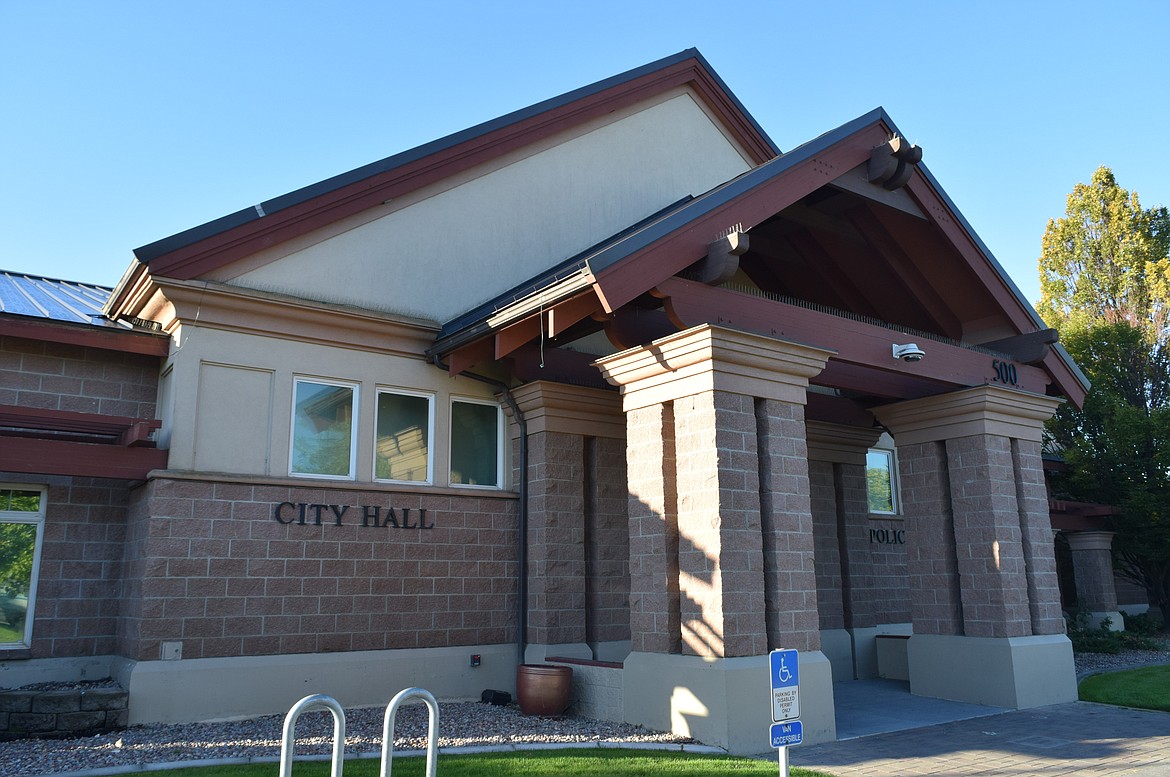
[(67, 301)]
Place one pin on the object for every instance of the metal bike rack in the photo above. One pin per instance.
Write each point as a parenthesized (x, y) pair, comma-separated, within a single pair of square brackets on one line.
[(288, 741), (432, 729)]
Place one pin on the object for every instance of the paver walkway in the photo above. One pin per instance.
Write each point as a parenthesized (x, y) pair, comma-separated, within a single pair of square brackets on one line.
[(1079, 738)]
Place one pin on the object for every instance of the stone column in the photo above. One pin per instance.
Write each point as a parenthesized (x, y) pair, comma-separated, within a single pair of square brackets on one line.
[(563, 423), (840, 512), (705, 409), (1092, 557), (983, 574)]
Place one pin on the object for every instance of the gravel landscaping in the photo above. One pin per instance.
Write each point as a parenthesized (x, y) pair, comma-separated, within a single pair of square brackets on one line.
[(462, 724)]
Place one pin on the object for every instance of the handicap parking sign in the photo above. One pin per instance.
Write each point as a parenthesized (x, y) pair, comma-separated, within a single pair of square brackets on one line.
[(785, 685)]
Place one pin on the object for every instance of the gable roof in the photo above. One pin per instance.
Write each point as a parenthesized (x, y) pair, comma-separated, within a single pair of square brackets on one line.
[(631, 263), (201, 249)]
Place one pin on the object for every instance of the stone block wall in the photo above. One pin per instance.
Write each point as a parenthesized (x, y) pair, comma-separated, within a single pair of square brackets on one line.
[(61, 713), (888, 540), (211, 567), (827, 561), (80, 582), (607, 542), (597, 689), (56, 376)]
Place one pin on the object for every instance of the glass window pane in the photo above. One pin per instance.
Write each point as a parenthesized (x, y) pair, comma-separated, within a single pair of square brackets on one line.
[(17, 547), (475, 446), (403, 442), (20, 501), (322, 429), (879, 481)]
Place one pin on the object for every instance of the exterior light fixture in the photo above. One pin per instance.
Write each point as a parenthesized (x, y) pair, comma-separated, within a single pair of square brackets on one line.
[(910, 352)]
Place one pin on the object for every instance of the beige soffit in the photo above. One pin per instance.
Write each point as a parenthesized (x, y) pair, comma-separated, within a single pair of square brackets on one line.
[(839, 444), (978, 410), (710, 358), (557, 407), (229, 308)]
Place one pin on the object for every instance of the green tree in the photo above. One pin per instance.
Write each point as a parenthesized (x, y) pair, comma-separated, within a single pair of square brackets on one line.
[(1105, 283), (1107, 261)]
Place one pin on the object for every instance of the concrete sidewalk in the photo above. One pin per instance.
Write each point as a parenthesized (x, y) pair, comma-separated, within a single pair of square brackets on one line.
[(1079, 738)]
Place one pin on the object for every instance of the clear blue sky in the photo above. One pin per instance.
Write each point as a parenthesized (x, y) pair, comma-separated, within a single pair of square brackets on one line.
[(124, 122)]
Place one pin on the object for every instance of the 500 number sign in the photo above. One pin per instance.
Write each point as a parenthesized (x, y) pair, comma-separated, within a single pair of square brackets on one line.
[(1005, 372)]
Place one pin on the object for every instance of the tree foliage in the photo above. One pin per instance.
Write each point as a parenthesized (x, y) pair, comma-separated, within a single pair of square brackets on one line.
[(1105, 283), (1107, 261)]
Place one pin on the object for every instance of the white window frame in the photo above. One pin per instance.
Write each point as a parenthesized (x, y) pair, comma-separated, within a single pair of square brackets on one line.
[(500, 429), (895, 485), (353, 426), (430, 398), (37, 519)]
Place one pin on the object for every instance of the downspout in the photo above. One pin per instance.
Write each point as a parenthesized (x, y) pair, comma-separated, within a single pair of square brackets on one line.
[(522, 506)]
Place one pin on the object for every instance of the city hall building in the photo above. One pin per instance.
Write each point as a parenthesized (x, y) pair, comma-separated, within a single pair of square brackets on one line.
[(610, 381)]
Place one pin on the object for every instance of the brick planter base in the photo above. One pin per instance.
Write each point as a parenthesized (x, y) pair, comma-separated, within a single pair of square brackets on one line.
[(62, 713)]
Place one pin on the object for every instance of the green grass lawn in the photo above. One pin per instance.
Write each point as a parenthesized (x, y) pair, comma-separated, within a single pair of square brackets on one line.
[(1147, 688), (9, 634), (533, 763)]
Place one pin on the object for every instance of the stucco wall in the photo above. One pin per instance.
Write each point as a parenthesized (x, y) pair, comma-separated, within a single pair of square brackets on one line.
[(228, 399), (446, 248)]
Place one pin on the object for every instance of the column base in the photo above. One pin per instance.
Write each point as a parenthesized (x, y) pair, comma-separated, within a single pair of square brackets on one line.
[(1116, 620), (1015, 672), (723, 701), (837, 645)]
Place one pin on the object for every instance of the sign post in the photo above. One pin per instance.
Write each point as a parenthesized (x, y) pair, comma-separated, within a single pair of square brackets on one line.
[(784, 668)]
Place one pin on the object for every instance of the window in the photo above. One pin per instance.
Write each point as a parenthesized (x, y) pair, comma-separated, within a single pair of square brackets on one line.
[(22, 520), (402, 447), (323, 431), (881, 481), (476, 444)]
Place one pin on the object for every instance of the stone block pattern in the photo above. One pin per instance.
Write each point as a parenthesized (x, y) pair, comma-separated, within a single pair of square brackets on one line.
[(209, 566), (720, 540), (653, 529), (607, 542), (859, 595), (890, 593), (597, 690), (556, 538), (823, 489), (787, 529), (80, 580), (62, 713), (1093, 570), (988, 542), (935, 603), (57, 376), (1036, 535)]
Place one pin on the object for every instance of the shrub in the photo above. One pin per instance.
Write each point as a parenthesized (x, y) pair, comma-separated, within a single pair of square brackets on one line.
[(1143, 624), (1086, 639)]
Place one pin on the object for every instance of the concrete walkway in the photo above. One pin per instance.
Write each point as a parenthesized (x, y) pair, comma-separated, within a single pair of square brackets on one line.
[(1078, 738)]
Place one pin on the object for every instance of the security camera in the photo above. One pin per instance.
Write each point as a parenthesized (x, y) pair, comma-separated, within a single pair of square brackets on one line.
[(910, 352)]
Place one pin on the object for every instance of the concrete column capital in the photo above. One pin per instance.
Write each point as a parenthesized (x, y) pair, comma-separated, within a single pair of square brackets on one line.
[(1090, 540), (559, 407), (712, 358), (992, 410)]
